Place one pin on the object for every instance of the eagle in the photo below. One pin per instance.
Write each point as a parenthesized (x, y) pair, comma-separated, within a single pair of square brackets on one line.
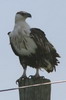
[(31, 46)]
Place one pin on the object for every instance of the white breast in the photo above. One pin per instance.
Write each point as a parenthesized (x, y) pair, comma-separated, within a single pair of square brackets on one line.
[(23, 45), (21, 41)]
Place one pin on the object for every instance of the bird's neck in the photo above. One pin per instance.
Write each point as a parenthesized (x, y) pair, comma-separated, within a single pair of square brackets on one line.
[(22, 26), (19, 22), (18, 19)]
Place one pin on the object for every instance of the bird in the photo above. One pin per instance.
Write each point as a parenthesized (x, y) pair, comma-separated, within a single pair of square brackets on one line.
[(32, 46)]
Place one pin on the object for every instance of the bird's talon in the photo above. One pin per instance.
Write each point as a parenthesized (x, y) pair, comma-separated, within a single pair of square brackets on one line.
[(31, 76), (21, 78), (36, 77)]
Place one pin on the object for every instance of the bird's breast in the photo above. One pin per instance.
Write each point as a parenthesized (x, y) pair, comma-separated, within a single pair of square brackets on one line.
[(24, 45)]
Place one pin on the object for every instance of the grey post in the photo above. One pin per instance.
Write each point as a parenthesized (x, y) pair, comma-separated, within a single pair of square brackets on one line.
[(35, 93)]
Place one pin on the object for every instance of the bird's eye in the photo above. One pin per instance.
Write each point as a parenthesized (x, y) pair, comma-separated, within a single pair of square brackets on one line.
[(23, 14)]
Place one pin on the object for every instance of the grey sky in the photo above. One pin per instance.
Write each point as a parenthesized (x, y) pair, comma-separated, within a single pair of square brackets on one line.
[(48, 15)]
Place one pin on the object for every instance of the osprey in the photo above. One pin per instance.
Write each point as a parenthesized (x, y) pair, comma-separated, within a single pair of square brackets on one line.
[(31, 46)]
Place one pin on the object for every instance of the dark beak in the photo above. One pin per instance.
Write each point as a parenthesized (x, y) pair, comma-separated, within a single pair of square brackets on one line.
[(8, 33), (28, 15)]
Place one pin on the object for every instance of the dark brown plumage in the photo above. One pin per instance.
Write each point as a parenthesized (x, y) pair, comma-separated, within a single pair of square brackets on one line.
[(32, 47)]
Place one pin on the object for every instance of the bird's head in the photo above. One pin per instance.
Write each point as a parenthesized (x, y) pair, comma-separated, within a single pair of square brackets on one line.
[(21, 16)]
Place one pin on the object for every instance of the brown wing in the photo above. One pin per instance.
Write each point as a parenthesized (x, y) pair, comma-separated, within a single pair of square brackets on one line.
[(47, 49)]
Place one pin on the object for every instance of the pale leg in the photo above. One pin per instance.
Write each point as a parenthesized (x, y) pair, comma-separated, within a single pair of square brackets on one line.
[(37, 73)]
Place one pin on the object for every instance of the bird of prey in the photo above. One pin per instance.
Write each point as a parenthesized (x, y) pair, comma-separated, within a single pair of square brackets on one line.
[(31, 46)]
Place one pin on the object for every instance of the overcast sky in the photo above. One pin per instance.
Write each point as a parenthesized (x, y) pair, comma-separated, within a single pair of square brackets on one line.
[(48, 15)]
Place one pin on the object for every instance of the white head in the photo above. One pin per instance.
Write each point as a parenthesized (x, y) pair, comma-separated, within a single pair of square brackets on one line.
[(21, 16)]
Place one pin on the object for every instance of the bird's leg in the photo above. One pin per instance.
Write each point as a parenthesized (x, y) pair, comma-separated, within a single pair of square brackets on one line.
[(23, 75), (37, 73)]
